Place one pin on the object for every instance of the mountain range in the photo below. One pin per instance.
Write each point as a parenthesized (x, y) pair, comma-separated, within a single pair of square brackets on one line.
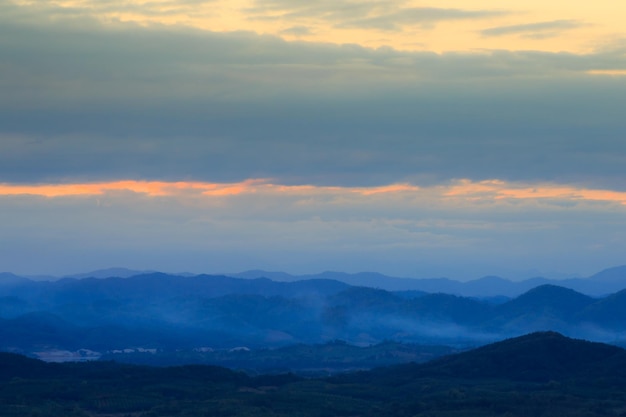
[(162, 311), (602, 283)]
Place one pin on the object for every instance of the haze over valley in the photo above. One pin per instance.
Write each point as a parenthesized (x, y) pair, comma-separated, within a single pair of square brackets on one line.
[(257, 323)]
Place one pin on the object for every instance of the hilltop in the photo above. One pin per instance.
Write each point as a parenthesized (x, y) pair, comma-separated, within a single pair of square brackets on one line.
[(538, 374)]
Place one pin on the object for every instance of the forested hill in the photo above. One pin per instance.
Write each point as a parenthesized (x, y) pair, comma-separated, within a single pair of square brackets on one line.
[(538, 357), (538, 374)]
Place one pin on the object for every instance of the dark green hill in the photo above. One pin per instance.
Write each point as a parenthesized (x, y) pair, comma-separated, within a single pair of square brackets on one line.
[(538, 356), (18, 366), (541, 374)]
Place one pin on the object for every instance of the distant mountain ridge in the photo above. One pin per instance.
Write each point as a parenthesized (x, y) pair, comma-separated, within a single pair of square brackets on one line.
[(115, 272), (605, 282), (602, 283)]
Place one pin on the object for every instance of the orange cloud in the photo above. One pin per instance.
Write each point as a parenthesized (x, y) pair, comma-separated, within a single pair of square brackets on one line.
[(151, 188), (468, 188), (393, 188), (498, 190), (483, 190), (231, 189), (161, 188)]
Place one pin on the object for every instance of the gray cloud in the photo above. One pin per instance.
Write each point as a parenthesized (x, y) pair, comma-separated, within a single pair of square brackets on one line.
[(534, 30), (326, 9), (84, 101), (367, 15), (423, 16), (297, 31), (144, 8)]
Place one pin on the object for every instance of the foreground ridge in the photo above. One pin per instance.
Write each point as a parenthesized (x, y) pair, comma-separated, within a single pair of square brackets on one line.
[(543, 373)]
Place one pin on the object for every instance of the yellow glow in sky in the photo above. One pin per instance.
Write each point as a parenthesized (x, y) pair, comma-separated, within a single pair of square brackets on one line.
[(446, 25)]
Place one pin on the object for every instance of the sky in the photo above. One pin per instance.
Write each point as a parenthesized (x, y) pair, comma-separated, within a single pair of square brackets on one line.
[(412, 138)]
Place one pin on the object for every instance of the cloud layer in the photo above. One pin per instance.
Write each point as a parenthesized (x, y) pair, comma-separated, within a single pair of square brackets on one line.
[(106, 103), (462, 229), (310, 135)]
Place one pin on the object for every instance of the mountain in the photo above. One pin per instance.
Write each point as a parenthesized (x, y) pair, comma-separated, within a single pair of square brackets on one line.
[(13, 365), (603, 283), (541, 356), (611, 275), (159, 286), (608, 312), (360, 279), (364, 298), (161, 310), (38, 329), (547, 307), (8, 279), (546, 301), (257, 273), (443, 308), (109, 273), (540, 374)]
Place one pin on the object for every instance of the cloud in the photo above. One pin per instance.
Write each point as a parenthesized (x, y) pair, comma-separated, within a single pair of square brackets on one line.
[(82, 101), (461, 229), (491, 191), (426, 17), (364, 14), (297, 31), (609, 72), (113, 8), (539, 30), (325, 9)]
